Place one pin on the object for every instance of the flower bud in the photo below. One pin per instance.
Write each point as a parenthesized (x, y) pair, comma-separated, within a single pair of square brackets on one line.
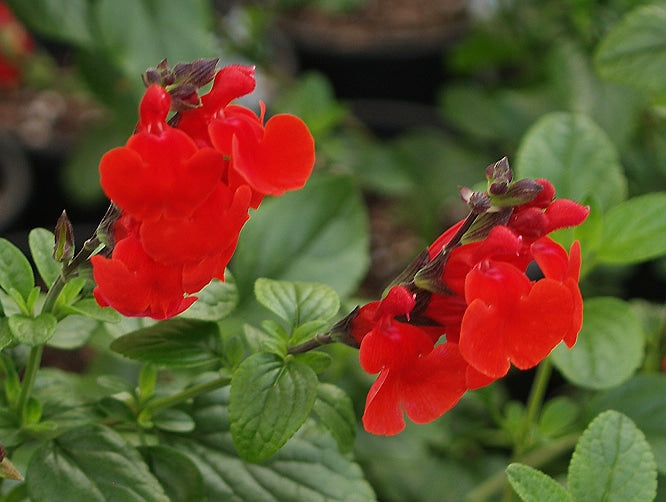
[(63, 250), (499, 176), (518, 193)]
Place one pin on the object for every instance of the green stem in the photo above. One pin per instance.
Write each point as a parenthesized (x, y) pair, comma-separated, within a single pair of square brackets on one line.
[(168, 401), (534, 402), (535, 458), (317, 341), (31, 369)]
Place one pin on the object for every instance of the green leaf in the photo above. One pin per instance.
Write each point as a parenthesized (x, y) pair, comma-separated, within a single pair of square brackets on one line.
[(308, 330), (612, 462), (609, 347), (33, 330), (89, 307), (309, 467), (73, 332), (91, 464), (173, 420), (65, 20), (270, 400), (15, 270), (558, 415), (329, 245), (216, 301), (175, 342), (634, 231), (533, 485), (634, 51), (177, 474), (6, 337), (336, 411), (575, 155), (317, 360), (297, 302), (642, 400), (42, 242)]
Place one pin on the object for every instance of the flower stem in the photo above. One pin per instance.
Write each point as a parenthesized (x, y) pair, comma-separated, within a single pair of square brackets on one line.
[(31, 369), (317, 341), (534, 402), (168, 401)]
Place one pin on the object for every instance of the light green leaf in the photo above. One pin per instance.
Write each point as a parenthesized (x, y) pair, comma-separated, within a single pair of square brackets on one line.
[(177, 474), (316, 234), (15, 270), (91, 464), (297, 302), (6, 336), (317, 360), (575, 154), (557, 416), (89, 307), (634, 231), (336, 411), (73, 332), (175, 342), (642, 400), (612, 462), (173, 420), (634, 51), (533, 485), (42, 242), (33, 330), (270, 400), (609, 347), (309, 467), (216, 301)]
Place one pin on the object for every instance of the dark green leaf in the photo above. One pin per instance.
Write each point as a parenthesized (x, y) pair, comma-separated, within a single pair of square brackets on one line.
[(634, 51), (176, 342), (116, 409), (177, 474), (41, 243), (613, 462), (642, 400), (91, 464), (336, 411), (309, 467), (270, 400), (216, 301), (33, 330), (329, 245), (15, 270), (297, 302), (576, 156), (65, 20), (609, 347), (533, 485), (634, 231)]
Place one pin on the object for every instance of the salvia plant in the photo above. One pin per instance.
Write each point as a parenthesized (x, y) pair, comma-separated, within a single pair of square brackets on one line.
[(217, 291)]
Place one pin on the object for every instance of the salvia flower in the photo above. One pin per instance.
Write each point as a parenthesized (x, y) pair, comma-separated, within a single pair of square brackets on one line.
[(184, 194), (467, 310)]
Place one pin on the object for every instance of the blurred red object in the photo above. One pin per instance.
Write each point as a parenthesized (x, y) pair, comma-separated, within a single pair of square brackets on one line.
[(16, 45)]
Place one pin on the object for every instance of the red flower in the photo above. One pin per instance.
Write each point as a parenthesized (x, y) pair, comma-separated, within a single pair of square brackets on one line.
[(484, 304), (16, 45), (183, 203), (414, 375)]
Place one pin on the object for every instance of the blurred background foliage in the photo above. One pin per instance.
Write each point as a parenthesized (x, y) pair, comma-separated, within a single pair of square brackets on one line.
[(405, 123)]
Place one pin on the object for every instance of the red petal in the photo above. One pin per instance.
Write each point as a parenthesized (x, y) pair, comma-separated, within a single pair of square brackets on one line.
[(282, 161), (433, 384), (382, 410), (230, 82), (393, 344), (564, 213)]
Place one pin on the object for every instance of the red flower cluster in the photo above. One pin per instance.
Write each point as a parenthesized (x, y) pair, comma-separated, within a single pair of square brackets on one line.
[(430, 346), (184, 192)]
